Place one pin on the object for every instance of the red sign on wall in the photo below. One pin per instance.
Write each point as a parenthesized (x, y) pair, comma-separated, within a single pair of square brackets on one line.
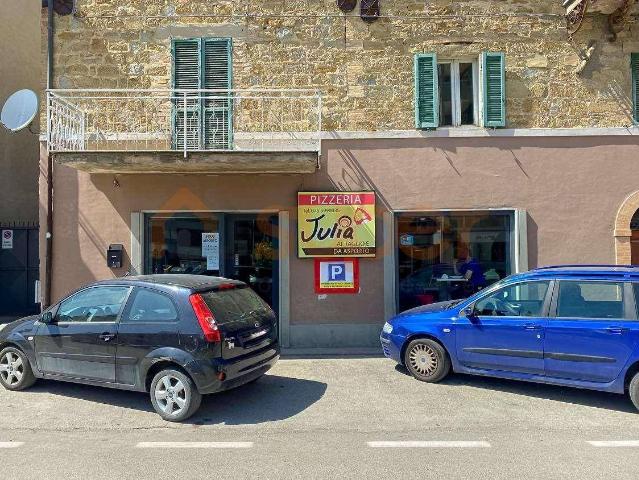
[(336, 275)]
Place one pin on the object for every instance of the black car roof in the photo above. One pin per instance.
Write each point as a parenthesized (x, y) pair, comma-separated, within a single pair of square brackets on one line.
[(192, 282)]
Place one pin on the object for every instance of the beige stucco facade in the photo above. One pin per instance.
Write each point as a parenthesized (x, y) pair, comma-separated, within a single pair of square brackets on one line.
[(571, 210), (19, 68)]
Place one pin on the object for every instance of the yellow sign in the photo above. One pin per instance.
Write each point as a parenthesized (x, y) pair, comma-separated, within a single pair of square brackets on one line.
[(336, 224)]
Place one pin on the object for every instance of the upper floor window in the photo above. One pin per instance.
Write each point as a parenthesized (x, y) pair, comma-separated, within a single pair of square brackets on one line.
[(460, 92), (203, 119), (458, 96)]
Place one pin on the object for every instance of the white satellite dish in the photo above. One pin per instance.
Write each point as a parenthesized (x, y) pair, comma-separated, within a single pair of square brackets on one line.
[(19, 110)]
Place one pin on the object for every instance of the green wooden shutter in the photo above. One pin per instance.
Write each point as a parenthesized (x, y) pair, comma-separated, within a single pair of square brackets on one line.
[(218, 112), (203, 63), (493, 68), (634, 65), (186, 75), (426, 91)]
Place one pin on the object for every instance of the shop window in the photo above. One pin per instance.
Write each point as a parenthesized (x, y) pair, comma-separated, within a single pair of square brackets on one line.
[(202, 119), (451, 255), (459, 92), (246, 248)]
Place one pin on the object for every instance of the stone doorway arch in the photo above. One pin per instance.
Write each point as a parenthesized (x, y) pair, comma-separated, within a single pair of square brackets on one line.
[(623, 232)]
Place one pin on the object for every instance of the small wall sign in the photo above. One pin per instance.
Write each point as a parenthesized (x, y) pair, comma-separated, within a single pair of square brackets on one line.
[(211, 250), (336, 275), (7, 239)]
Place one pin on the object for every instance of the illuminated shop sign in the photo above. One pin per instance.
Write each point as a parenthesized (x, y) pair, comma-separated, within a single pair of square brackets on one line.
[(336, 224)]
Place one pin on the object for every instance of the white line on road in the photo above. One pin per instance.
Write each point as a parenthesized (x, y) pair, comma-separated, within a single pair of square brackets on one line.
[(615, 443), (11, 444), (194, 445), (430, 444)]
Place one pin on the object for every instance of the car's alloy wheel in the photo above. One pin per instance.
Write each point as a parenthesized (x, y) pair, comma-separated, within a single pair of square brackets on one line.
[(174, 395), (427, 360), (423, 359), (15, 370), (170, 394)]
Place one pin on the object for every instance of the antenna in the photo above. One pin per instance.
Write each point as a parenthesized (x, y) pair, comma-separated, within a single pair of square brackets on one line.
[(19, 110)]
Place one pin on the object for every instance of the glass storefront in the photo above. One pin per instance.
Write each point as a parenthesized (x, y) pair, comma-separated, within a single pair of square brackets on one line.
[(443, 256), (247, 248)]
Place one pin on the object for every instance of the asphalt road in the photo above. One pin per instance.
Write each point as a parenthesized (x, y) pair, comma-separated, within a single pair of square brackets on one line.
[(324, 418)]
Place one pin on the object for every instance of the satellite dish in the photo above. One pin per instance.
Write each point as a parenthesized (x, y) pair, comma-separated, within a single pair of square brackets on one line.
[(19, 110)]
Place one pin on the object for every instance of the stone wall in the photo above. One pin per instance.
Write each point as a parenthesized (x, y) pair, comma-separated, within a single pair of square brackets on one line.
[(364, 71)]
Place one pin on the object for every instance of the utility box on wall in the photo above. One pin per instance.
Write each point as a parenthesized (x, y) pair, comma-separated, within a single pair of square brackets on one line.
[(114, 255)]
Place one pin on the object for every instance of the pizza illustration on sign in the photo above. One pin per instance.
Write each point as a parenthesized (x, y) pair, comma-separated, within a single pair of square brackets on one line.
[(361, 216)]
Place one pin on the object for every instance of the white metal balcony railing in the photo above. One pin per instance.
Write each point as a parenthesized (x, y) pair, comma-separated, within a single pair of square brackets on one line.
[(184, 120)]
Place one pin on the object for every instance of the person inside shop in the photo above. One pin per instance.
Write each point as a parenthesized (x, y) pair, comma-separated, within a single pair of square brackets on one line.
[(472, 270)]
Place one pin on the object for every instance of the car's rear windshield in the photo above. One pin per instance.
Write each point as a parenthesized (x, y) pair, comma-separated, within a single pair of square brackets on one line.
[(233, 304)]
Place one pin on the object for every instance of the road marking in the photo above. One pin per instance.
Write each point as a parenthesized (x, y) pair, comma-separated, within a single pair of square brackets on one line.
[(194, 445), (615, 443), (430, 444), (11, 444)]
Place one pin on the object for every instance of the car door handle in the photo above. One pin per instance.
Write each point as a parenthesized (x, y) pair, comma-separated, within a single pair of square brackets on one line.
[(532, 326), (107, 337), (616, 330)]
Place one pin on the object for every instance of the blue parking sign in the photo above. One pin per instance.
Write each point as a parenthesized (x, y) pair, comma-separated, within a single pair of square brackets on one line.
[(336, 272)]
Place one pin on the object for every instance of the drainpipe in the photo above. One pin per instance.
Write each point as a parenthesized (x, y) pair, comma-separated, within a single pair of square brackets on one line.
[(46, 301)]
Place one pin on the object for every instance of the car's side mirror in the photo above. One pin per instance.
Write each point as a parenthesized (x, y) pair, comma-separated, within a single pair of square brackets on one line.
[(46, 317), (470, 313)]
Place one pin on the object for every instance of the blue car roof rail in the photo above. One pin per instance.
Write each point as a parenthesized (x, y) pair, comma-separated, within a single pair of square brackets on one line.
[(554, 267)]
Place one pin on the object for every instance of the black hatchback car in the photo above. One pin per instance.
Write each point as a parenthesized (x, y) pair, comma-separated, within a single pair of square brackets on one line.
[(175, 336)]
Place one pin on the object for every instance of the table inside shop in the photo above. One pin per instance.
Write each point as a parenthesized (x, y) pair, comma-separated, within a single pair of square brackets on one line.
[(445, 281)]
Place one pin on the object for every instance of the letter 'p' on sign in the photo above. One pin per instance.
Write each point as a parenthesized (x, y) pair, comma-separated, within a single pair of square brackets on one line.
[(336, 275), (336, 272)]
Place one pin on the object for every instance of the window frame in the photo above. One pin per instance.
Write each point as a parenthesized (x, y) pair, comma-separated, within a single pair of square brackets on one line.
[(629, 309), (545, 307), (456, 92), (127, 310), (92, 287)]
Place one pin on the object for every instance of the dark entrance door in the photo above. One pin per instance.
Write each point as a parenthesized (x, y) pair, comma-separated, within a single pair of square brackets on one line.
[(18, 271), (251, 247)]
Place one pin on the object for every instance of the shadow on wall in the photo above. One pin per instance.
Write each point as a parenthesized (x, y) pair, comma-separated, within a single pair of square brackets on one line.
[(270, 399)]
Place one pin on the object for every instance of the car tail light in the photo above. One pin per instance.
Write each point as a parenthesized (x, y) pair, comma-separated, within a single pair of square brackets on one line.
[(205, 318)]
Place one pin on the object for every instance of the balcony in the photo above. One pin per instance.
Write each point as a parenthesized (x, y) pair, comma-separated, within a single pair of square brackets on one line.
[(198, 131)]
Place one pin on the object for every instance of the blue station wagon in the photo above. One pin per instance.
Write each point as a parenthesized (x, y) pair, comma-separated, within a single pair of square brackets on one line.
[(565, 325)]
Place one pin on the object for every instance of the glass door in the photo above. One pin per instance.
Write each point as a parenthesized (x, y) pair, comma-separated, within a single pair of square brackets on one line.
[(251, 246)]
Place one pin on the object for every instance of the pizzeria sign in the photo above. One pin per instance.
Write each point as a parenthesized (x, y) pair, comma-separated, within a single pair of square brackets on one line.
[(336, 224)]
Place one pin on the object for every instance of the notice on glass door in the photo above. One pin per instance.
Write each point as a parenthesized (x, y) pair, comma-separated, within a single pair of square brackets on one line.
[(211, 250)]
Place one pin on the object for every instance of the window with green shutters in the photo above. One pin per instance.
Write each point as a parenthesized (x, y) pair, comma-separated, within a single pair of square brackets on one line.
[(494, 81), (198, 64), (458, 92), (426, 91), (634, 65)]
